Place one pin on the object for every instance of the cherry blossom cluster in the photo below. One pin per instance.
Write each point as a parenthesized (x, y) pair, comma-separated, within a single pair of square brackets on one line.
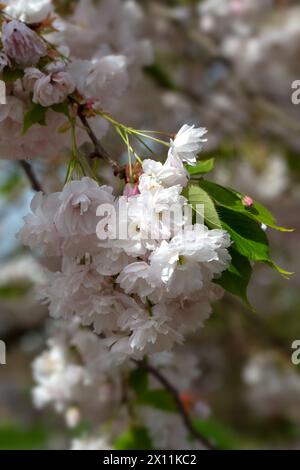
[(77, 376), (95, 51), (142, 293)]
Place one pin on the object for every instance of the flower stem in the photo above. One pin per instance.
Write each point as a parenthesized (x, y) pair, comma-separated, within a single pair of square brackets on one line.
[(174, 393), (100, 151), (35, 184)]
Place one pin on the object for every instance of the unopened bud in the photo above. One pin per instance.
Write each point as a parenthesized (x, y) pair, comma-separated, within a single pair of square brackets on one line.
[(133, 174), (247, 201), (89, 110), (22, 44), (131, 190)]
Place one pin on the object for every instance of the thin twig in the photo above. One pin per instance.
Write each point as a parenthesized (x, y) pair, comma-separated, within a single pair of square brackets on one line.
[(181, 409), (99, 149), (35, 184)]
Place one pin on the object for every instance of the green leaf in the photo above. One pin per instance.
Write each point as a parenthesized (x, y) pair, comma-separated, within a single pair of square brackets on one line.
[(35, 115), (281, 271), (20, 438), (136, 438), (12, 182), (202, 166), (248, 237), (61, 108), (11, 75), (158, 398), (161, 76), (196, 195), (233, 200), (223, 436), (263, 215), (138, 380), (236, 278), (14, 290)]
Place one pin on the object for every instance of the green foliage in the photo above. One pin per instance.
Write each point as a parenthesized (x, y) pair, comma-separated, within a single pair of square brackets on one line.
[(224, 208), (233, 200), (293, 160), (221, 435), (11, 75), (35, 115), (18, 438), (196, 195), (161, 76), (138, 380), (158, 398), (136, 438), (249, 238), (226, 152), (14, 290), (61, 108), (11, 182), (237, 277), (202, 166)]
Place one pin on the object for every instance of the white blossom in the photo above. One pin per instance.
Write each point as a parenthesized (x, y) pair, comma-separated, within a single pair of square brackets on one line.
[(144, 292), (174, 172), (167, 430), (79, 201), (52, 89), (103, 79), (190, 259), (22, 44), (156, 174), (29, 11), (188, 143), (56, 378), (22, 270), (150, 330), (136, 278), (12, 110), (39, 230), (102, 41), (31, 75), (148, 219)]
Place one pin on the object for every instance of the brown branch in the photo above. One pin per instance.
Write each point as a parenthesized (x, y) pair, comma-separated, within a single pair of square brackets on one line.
[(181, 409), (100, 151), (35, 184)]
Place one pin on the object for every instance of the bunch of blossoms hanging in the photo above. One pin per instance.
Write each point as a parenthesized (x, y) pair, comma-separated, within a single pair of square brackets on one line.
[(44, 56), (138, 272), (148, 289)]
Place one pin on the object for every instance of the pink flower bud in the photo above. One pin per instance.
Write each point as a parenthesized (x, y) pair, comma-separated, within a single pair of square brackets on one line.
[(22, 44), (89, 105), (247, 201), (131, 190)]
